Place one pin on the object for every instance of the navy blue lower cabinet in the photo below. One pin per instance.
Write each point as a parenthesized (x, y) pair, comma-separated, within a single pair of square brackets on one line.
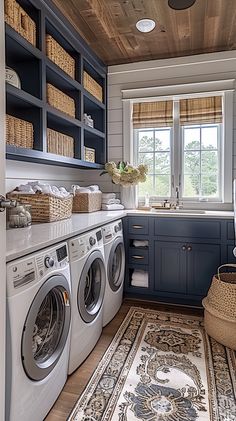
[(202, 263), (170, 273), (181, 257)]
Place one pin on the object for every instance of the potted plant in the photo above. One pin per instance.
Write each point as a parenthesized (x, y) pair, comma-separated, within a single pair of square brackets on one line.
[(128, 177)]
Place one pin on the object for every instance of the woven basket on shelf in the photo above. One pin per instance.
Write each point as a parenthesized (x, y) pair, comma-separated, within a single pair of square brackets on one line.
[(92, 86), (60, 143), (220, 308), (19, 132), (87, 202), (60, 101), (59, 56), (44, 207), (89, 154), (18, 19)]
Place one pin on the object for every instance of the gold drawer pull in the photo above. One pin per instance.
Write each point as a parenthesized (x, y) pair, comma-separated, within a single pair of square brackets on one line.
[(138, 257), (137, 226)]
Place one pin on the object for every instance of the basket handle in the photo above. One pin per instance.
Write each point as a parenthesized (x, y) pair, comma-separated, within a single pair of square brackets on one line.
[(232, 265)]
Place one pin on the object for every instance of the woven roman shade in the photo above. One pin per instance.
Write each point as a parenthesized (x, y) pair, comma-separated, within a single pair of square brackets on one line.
[(152, 114), (201, 110)]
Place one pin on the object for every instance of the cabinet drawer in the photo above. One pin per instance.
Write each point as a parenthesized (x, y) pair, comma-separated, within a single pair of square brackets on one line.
[(138, 256), (187, 228), (230, 231), (138, 225)]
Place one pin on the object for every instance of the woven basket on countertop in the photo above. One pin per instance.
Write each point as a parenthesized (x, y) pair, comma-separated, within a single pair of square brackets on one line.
[(18, 19), (60, 143), (45, 207), (59, 56), (87, 202), (60, 101), (220, 308), (19, 133), (92, 86)]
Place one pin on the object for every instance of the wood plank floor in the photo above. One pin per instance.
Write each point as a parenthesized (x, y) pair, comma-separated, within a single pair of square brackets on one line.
[(78, 380)]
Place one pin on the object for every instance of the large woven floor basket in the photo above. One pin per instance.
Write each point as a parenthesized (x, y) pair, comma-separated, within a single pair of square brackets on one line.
[(220, 308)]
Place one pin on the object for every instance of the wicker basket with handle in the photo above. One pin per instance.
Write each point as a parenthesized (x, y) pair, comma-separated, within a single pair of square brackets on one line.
[(92, 86), (60, 143), (18, 19), (59, 56), (220, 308), (45, 207), (87, 202), (60, 101), (19, 132)]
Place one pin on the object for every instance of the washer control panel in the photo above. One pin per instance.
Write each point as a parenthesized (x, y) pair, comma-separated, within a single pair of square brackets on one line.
[(81, 246), (33, 268)]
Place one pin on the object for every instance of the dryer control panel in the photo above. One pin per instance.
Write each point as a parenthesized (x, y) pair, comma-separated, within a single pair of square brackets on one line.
[(111, 231), (81, 246), (32, 269)]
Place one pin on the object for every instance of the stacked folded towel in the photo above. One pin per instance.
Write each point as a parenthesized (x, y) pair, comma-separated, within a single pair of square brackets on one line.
[(33, 187), (90, 189), (140, 243), (110, 202), (139, 278)]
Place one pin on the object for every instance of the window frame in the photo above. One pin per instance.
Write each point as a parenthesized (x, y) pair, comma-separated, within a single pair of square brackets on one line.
[(227, 92)]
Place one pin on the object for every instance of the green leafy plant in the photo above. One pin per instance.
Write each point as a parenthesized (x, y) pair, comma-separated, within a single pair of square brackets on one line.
[(125, 174)]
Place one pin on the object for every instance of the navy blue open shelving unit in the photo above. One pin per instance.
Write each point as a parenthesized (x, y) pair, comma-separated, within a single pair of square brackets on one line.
[(35, 70)]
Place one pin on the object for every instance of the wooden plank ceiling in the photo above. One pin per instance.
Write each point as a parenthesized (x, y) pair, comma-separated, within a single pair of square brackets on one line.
[(108, 26)]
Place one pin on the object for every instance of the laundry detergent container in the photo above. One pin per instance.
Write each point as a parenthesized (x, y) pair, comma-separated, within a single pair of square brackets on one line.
[(220, 308)]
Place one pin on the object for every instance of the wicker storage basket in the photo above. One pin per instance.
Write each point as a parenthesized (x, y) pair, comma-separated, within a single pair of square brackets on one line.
[(19, 132), (60, 143), (59, 56), (19, 20), (44, 207), (87, 202), (89, 154), (220, 308), (92, 86), (60, 101)]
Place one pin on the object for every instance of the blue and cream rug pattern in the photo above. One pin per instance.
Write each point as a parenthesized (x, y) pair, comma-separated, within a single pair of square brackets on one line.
[(161, 367)]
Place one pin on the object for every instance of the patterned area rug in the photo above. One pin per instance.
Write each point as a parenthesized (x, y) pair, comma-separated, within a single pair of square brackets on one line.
[(161, 367)]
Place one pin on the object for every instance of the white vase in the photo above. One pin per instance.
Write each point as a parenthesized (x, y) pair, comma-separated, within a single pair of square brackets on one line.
[(129, 197)]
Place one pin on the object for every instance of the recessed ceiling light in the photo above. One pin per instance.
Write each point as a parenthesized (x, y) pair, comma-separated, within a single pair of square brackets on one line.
[(145, 25), (180, 4)]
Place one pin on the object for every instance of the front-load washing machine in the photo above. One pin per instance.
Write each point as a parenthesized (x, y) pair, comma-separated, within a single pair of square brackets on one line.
[(38, 332), (114, 252), (88, 279)]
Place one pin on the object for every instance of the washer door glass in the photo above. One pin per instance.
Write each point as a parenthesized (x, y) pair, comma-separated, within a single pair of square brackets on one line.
[(91, 287), (46, 328), (116, 265)]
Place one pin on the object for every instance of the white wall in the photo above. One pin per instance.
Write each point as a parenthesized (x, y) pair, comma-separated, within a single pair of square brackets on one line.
[(18, 172), (199, 68)]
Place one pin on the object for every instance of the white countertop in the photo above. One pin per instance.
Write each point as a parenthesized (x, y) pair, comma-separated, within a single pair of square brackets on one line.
[(22, 241)]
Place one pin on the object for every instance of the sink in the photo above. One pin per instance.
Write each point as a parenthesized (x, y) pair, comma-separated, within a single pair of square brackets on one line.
[(188, 211)]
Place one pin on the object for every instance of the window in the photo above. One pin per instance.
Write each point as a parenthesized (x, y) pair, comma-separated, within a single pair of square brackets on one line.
[(181, 142)]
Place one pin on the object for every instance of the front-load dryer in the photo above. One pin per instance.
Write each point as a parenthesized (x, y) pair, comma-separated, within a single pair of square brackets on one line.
[(114, 252), (38, 332), (88, 279)]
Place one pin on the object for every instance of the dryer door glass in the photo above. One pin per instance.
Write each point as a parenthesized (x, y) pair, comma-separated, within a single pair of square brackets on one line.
[(91, 287), (116, 265), (46, 328)]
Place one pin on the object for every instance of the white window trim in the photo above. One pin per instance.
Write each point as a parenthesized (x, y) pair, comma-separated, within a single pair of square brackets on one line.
[(176, 92)]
